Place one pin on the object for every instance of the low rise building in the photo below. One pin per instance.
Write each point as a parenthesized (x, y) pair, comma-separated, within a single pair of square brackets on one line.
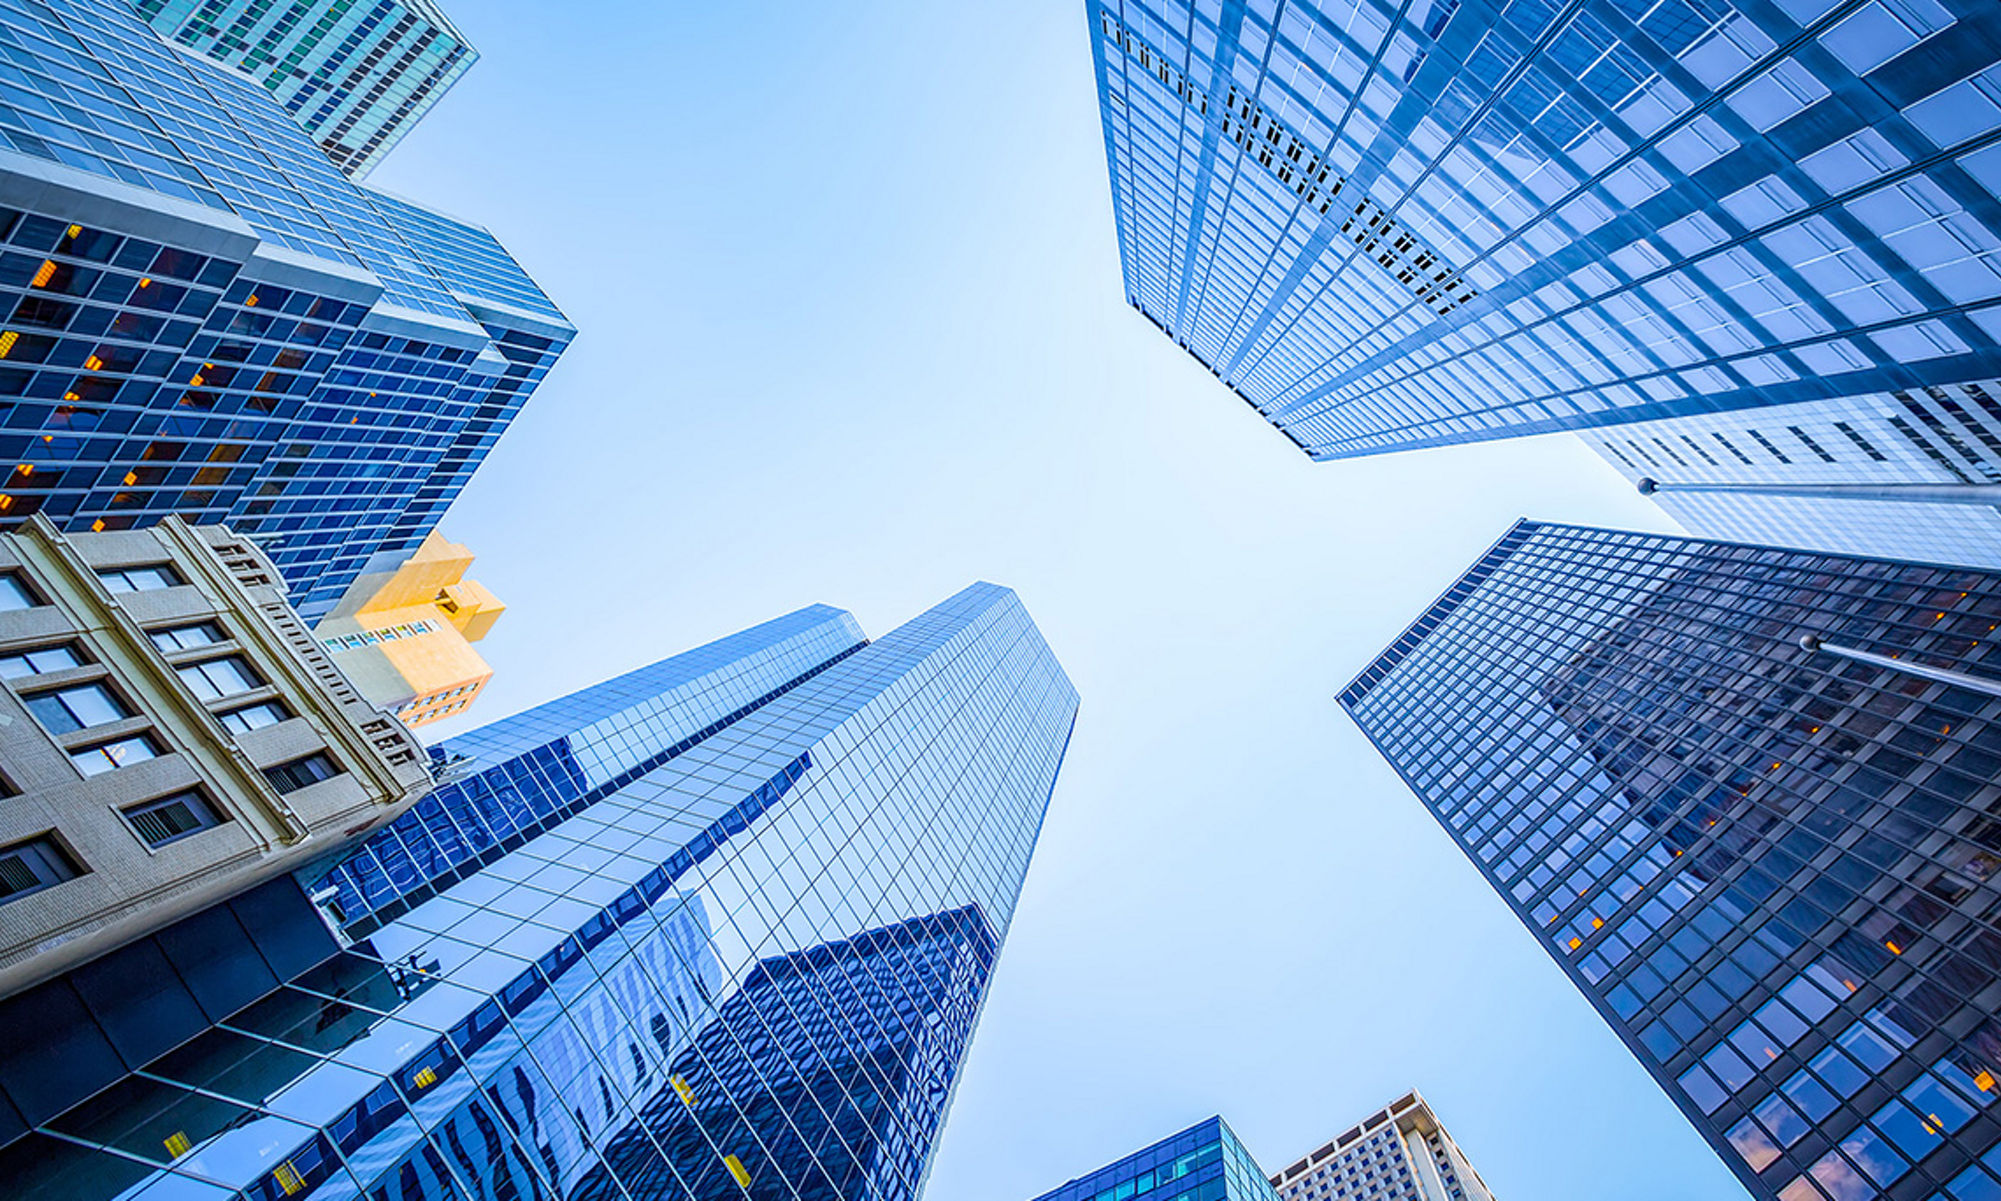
[(1399, 1153), (171, 735)]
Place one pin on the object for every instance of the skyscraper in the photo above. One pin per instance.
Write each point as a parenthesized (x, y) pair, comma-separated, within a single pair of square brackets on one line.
[(1202, 1163), (1399, 1153), (1742, 795), (206, 318), (1912, 474), (720, 925), (1398, 225), (354, 76)]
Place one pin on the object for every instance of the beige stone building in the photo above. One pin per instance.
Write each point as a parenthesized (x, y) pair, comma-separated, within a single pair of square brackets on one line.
[(1399, 1153), (170, 735), (404, 633)]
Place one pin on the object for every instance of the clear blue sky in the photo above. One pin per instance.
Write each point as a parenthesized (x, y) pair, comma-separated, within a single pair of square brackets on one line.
[(853, 332)]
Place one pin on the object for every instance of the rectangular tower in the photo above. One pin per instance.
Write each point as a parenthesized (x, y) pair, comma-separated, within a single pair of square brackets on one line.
[(1400, 224), (1399, 1153), (1772, 869), (354, 76), (1202, 1163), (203, 317), (719, 926)]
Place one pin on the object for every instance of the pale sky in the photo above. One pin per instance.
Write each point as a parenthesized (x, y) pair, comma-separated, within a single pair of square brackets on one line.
[(853, 332)]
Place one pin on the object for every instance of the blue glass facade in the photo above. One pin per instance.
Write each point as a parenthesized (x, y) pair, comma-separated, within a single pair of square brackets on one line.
[(719, 926), (1391, 225), (1202, 1163), (1773, 870), (205, 317)]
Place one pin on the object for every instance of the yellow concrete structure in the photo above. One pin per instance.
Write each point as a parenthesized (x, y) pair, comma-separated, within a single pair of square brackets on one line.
[(403, 633)]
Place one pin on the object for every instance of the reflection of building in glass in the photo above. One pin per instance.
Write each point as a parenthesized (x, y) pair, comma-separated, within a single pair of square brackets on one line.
[(1389, 225), (1399, 1153), (1771, 869), (1203, 1163), (403, 632), (824, 1076), (355, 76), (612, 893), (201, 316)]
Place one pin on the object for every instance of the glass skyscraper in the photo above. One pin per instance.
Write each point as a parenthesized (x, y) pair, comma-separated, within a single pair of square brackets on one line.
[(204, 317), (1391, 225), (718, 927), (1772, 869), (1202, 1163), (356, 76)]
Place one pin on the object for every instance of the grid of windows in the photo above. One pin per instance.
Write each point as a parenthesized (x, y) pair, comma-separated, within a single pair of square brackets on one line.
[(1202, 1163), (1389, 225), (1772, 869), (751, 965)]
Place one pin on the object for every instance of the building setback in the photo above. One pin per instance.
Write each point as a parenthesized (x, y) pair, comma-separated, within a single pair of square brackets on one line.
[(1772, 869), (1399, 1153), (721, 925), (1393, 225), (355, 76), (203, 317)]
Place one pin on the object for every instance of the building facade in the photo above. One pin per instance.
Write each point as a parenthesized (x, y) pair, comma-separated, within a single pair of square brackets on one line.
[(718, 927), (1399, 1153), (1912, 475), (1202, 1163), (1772, 869), (354, 76), (1393, 225), (207, 319), (404, 635), (173, 736)]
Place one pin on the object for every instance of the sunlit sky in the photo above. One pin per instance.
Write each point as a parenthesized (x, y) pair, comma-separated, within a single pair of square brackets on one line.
[(853, 332)]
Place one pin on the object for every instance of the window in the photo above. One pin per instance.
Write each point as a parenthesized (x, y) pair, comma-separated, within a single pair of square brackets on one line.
[(182, 638), (41, 659), (15, 595), (107, 756), (161, 821), (213, 678), (69, 709), (33, 865), (254, 717), (290, 777), (139, 579)]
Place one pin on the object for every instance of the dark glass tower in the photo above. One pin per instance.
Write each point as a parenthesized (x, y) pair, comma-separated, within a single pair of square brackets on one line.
[(720, 926), (1402, 223), (200, 315), (1772, 869)]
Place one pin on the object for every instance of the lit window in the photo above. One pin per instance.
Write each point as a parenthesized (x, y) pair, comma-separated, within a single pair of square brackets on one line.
[(161, 821), (33, 865), (214, 678), (107, 756), (254, 717), (182, 638), (38, 661), (139, 579), (300, 773), (14, 594), (69, 709)]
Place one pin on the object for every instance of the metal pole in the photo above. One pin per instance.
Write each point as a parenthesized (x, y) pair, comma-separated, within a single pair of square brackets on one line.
[(1938, 494), (1957, 679)]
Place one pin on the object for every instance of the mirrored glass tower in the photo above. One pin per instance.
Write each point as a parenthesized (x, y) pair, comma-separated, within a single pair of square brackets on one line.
[(1202, 1163), (1750, 800), (720, 927), (1391, 225)]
